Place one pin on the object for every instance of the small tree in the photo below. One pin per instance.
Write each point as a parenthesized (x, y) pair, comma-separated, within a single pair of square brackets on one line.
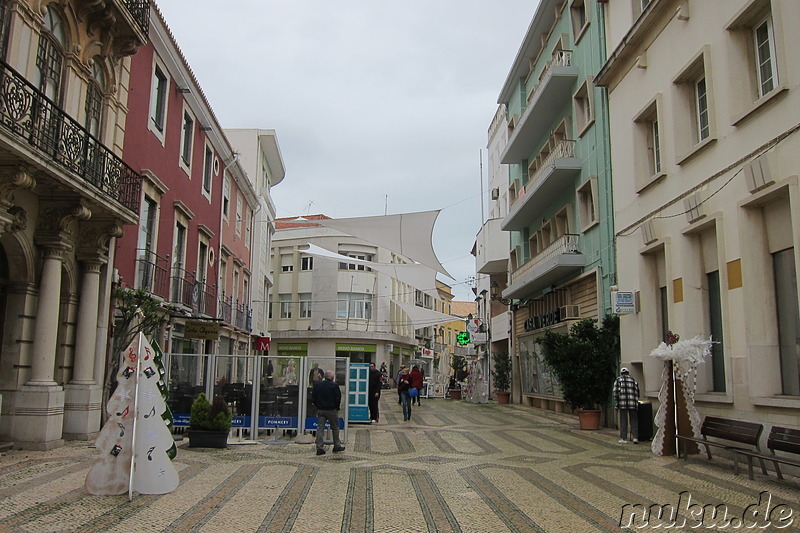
[(584, 360), (207, 416), (501, 373)]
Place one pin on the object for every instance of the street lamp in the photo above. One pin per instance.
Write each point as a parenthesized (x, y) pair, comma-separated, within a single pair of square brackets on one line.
[(495, 296)]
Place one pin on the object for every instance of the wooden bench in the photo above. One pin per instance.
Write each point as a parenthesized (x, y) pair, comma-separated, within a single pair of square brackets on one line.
[(781, 439), (731, 430)]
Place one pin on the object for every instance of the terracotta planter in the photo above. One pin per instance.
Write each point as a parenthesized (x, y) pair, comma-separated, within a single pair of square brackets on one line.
[(200, 438), (503, 397), (589, 418), (455, 394)]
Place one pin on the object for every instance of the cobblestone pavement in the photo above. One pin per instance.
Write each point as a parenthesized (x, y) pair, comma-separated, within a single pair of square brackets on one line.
[(455, 467)]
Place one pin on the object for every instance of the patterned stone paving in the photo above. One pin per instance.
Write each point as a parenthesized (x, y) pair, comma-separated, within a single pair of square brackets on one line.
[(455, 467)]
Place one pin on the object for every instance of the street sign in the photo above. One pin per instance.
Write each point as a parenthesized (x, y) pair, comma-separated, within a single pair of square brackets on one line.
[(624, 302)]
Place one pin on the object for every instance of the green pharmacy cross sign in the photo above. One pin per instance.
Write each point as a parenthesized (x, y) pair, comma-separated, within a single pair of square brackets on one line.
[(463, 338)]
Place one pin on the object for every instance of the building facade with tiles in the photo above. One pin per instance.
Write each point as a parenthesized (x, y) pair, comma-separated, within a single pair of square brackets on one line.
[(65, 197), (559, 218), (704, 114)]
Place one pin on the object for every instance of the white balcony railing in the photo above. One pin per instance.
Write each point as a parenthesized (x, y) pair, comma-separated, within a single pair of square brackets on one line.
[(561, 58), (563, 148), (566, 244)]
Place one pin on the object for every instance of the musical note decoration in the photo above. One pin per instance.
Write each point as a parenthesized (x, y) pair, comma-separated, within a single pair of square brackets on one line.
[(138, 445)]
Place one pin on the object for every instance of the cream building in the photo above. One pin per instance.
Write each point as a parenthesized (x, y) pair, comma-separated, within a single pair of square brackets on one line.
[(704, 110)]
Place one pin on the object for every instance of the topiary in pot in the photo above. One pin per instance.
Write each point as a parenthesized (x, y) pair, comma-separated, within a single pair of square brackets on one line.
[(501, 373), (584, 361), (209, 423)]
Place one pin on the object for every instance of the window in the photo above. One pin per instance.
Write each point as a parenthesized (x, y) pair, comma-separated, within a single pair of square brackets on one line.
[(580, 19), (239, 208), (187, 136), (693, 111), (306, 263), (587, 203), (158, 98), (715, 322), (786, 303), (305, 304), (50, 55), (226, 197), (286, 305), (584, 106), (178, 261), (94, 99), (248, 222), (701, 99), (287, 268), (147, 231), (208, 169), (356, 266), (647, 145), (354, 305), (765, 56)]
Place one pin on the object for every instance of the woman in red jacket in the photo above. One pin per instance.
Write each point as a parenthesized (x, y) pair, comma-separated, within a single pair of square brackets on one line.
[(416, 382)]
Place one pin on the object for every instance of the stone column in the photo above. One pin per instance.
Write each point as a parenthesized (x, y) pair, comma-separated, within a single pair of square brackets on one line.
[(44, 343), (86, 338)]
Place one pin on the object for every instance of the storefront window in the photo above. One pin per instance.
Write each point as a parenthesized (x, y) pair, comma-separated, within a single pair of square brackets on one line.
[(536, 377)]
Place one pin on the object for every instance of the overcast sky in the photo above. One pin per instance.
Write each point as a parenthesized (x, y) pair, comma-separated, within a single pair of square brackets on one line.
[(379, 106)]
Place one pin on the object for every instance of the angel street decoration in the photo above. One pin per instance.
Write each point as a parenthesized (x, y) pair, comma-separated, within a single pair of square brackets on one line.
[(678, 386)]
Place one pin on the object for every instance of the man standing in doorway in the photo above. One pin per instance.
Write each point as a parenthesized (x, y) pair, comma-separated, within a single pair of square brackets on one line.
[(327, 398), (626, 400), (374, 391)]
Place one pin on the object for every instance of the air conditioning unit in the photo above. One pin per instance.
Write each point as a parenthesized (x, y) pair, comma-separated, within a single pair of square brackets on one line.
[(495, 193), (570, 312)]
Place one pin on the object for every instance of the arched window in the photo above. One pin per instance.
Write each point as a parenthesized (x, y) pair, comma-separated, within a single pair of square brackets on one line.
[(50, 56), (94, 99)]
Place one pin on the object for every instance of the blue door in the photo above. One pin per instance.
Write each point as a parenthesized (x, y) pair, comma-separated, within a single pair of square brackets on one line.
[(358, 395)]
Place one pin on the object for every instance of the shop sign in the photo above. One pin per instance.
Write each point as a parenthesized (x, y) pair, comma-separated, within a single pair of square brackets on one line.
[(542, 321), (201, 329), (624, 302), (262, 343), (356, 348), (297, 350)]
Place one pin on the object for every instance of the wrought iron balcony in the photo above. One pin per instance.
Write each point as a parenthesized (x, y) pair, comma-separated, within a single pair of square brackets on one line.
[(152, 273), (235, 313), (140, 11), (32, 118), (191, 292)]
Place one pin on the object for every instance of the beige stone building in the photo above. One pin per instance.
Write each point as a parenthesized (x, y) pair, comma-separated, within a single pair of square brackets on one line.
[(65, 195), (704, 112)]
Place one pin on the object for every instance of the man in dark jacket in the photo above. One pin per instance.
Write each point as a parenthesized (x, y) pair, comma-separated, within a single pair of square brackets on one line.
[(327, 398), (374, 391)]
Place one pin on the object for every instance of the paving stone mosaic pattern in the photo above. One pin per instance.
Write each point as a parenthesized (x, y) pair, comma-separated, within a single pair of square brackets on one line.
[(455, 467)]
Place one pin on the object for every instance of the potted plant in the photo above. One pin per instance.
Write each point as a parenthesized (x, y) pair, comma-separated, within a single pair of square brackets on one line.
[(584, 362), (458, 363), (209, 423), (501, 373)]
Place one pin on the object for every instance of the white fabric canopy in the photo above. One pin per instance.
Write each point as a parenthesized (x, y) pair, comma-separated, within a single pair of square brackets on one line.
[(421, 317), (418, 276), (409, 234)]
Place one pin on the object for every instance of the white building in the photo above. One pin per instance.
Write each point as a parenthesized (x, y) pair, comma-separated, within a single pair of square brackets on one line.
[(260, 155), (704, 111)]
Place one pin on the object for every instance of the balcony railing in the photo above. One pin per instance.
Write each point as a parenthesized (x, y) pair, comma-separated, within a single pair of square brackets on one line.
[(191, 292), (563, 148), (561, 58), (565, 244), (140, 10), (152, 273), (235, 313), (28, 114)]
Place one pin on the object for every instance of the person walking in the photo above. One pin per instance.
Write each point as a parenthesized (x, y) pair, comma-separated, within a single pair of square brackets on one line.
[(626, 400), (403, 386), (397, 382), (416, 382), (327, 398), (374, 391)]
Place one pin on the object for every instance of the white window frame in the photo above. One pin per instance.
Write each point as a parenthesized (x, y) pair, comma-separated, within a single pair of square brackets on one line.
[(648, 148), (587, 203), (701, 108), (155, 92), (304, 305), (187, 144), (579, 14), (307, 263), (239, 213), (761, 59), (226, 197), (583, 101), (286, 305), (208, 170)]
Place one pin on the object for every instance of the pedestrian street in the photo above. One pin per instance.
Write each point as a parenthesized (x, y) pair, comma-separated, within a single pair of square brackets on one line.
[(454, 467)]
